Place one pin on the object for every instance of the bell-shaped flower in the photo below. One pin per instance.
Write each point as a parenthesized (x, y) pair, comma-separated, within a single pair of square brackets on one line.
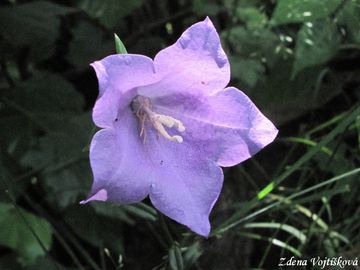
[(168, 125)]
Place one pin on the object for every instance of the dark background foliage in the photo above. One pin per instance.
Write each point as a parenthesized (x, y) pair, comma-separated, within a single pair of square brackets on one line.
[(299, 60)]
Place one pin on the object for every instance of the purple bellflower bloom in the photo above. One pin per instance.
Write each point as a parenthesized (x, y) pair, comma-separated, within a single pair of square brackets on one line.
[(168, 125)]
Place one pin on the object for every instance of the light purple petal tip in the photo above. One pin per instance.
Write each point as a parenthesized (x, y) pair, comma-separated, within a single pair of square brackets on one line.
[(195, 63), (101, 195), (187, 184)]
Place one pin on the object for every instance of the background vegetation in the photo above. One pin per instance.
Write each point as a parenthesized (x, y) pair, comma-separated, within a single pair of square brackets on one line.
[(299, 60)]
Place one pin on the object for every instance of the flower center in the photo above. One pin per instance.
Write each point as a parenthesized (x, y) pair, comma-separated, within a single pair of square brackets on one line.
[(142, 110)]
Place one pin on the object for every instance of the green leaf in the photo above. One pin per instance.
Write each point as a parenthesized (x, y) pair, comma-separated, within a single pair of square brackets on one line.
[(273, 241), (172, 259), (295, 11), (308, 142), (316, 43), (88, 44), (119, 45), (265, 191), (109, 12), (175, 258), (35, 25), (16, 232), (280, 226), (320, 194)]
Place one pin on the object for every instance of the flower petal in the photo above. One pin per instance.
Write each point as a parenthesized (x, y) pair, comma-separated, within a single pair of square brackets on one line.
[(115, 155), (227, 124), (186, 186), (195, 62), (118, 75)]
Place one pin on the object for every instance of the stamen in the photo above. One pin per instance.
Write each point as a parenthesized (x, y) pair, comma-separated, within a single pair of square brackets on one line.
[(170, 122), (160, 128), (142, 109)]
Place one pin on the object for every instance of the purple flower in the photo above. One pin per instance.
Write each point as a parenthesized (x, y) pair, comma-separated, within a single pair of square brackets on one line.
[(169, 124)]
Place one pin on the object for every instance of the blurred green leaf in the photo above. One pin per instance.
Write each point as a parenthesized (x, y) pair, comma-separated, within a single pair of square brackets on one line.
[(66, 170), (252, 16), (45, 100), (247, 70), (10, 261), (9, 186), (349, 16), (175, 258), (206, 7), (112, 211), (285, 99), (36, 25), (16, 226), (294, 11), (48, 264), (109, 12), (49, 93), (88, 44), (15, 141), (316, 43), (233, 4), (100, 231), (141, 210), (337, 164), (255, 44), (191, 255)]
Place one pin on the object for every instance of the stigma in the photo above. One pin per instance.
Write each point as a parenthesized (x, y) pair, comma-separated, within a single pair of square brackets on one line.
[(142, 109)]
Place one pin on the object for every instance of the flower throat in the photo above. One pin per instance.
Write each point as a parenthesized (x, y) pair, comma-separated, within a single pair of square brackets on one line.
[(142, 110)]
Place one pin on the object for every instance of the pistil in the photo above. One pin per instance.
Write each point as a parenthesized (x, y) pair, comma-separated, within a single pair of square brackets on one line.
[(143, 111)]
